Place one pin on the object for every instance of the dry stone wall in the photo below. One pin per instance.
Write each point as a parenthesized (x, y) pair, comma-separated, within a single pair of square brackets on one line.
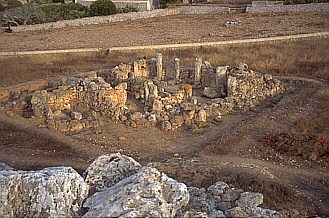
[(124, 17), (127, 190), (298, 8), (76, 104)]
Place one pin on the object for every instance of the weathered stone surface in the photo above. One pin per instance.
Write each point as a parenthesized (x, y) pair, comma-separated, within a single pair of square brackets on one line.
[(192, 214), (107, 170), (261, 212), (231, 194), (166, 125), (4, 167), (147, 193), (249, 199), (218, 188), (200, 201), (51, 192), (236, 212), (137, 116), (76, 115), (202, 116), (210, 92)]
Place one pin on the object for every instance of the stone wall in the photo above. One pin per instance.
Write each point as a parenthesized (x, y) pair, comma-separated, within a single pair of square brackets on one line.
[(321, 7), (140, 5), (77, 103), (124, 17)]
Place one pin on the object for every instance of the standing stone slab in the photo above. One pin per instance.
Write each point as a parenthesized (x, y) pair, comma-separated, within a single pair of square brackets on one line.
[(197, 71), (177, 68), (159, 65)]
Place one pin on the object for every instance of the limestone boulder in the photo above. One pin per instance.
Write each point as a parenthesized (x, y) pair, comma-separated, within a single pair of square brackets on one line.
[(200, 200), (136, 116), (249, 199), (148, 193), (261, 212), (210, 92), (236, 212), (76, 115), (202, 116), (218, 188), (109, 169), (51, 192), (4, 167)]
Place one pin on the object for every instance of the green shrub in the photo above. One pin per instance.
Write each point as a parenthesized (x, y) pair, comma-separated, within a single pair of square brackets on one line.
[(14, 4), (35, 14), (55, 12), (102, 7), (127, 9), (27, 14), (40, 2)]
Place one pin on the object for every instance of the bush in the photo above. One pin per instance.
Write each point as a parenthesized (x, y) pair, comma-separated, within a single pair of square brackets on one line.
[(54, 12), (127, 9), (40, 2), (102, 7), (27, 14), (35, 14), (14, 4)]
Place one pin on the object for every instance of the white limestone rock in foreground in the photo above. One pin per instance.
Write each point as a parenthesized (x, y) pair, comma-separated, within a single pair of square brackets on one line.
[(147, 193), (219, 200), (51, 192), (4, 166), (106, 170)]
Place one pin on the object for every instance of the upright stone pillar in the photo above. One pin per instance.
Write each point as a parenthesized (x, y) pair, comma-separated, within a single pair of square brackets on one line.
[(197, 71), (221, 80), (147, 89), (177, 68), (221, 77), (153, 91), (159, 65), (135, 72)]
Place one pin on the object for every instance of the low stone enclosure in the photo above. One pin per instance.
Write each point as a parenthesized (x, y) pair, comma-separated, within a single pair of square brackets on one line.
[(115, 185), (144, 93)]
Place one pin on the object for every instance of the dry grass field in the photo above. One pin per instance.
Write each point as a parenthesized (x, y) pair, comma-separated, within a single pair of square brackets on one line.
[(303, 57)]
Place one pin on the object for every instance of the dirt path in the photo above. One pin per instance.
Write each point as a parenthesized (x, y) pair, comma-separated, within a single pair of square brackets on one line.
[(169, 46)]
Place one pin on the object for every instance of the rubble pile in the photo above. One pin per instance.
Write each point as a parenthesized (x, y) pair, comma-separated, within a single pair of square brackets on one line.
[(169, 95), (122, 188)]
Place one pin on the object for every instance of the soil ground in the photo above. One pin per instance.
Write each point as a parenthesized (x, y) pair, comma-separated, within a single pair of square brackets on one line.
[(235, 150), (166, 30)]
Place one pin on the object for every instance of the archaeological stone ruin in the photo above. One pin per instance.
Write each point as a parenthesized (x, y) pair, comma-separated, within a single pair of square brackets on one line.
[(164, 94), (115, 185)]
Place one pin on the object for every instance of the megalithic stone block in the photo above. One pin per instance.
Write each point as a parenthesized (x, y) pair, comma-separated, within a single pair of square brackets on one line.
[(159, 66), (177, 68), (197, 72)]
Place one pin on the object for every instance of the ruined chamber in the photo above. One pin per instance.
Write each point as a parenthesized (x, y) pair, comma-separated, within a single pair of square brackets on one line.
[(143, 93)]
